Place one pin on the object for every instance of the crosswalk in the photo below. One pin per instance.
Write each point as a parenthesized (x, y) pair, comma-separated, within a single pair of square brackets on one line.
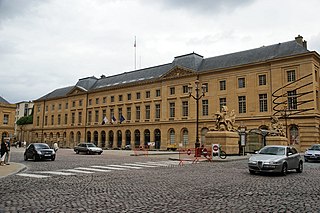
[(98, 168)]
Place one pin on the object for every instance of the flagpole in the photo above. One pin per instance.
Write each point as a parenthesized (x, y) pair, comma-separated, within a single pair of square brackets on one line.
[(135, 53)]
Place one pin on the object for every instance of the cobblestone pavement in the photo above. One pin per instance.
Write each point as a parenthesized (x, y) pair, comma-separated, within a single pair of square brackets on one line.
[(202, 187)]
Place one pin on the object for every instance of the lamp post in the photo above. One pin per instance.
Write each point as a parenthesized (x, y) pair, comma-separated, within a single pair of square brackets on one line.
[(197, 97)]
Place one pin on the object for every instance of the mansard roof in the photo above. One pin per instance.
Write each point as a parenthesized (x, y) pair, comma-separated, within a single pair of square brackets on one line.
[(4, 101), (192, 61)]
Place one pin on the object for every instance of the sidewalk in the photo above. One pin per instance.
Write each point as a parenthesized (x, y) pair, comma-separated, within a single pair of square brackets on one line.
[(11, 169)]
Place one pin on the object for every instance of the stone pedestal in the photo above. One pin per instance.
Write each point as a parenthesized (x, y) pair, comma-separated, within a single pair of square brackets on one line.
[(227, 140), (276, 140)]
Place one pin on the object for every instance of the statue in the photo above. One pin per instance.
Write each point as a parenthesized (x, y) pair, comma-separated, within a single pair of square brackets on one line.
[(225, 121), (276, 127)]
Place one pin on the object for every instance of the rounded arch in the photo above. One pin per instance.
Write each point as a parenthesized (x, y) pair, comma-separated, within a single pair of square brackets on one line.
[(119, 138), (136, 138), (157, 138), (88, 137), (146, 138), (203, 135), (172, 136), (58, 136), (95, 137), (103, 138), (128, 137), (111, 136), (294, 135), (78, 137), (71, 137)]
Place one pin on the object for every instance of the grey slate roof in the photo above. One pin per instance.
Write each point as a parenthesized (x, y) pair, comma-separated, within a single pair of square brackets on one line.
[(191, 61), (2, 100)]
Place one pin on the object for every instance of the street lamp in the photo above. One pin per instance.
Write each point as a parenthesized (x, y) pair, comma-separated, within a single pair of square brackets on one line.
[(197, 97)]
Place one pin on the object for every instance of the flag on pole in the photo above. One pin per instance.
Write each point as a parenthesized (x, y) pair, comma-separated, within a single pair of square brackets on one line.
[(105, 120), (122, 119), (113, 120), (135, 42)]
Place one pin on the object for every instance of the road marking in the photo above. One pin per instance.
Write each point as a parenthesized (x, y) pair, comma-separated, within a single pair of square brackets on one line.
[(79, 171), (109, 167), (56, 173), (141, 165), (123, 166), (92, 169), (33, 175)]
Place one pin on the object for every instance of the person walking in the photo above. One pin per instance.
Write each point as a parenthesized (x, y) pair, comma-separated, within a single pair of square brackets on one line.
[(55, 146), (3, 152), (7, 157)]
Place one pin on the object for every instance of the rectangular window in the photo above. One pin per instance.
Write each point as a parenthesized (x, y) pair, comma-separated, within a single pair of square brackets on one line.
[(52, 119), (39, 108), (119, 113), (52, 107), (90, 116), (104, 100), (73, 104), (222, 102), (241, 82), (46, 108), (112, 99), (72, 118), (185, 108), (158, 93), (46, 120), (223, 85), (67, 105), (128, 113), (90, 102), (148, 112), (38, 120), (172, 110), (59, 106), (79, 117), (138, 95), (205, 107), (147, 94), (291, 75), (96, 116), (111, 113), (80, 103), (97, 100), (292, 100), (262, 80), (157, 111), (206, 87), (120, 97), (59, 119), (138, 112), (185, 89), (172, 90), (5, 119), (129, 96), (263, 103), (65, 118), (242, 104), (104, 113)]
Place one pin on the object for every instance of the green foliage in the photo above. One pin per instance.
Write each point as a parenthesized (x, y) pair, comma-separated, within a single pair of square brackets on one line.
[(25, 120)]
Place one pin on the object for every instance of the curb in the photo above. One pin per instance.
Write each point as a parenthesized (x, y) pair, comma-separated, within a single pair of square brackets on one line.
[(11, 171)]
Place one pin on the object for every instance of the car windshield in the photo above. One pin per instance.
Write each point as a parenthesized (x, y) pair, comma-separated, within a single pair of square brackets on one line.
[(41, 146), (272, 151), (90, 145), (315, 147)]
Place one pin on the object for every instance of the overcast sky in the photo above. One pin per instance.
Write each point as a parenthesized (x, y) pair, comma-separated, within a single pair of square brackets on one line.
[(50, 44)]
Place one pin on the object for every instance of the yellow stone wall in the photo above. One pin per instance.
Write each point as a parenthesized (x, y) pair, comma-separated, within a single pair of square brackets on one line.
[(7, 127)]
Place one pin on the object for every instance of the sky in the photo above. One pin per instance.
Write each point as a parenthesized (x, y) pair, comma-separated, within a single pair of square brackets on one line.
[(50, 44)]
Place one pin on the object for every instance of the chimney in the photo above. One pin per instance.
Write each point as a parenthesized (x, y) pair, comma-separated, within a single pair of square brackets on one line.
[(299, 40)]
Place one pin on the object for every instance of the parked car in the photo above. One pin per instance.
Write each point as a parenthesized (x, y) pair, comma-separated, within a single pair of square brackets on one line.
[(313, 153), (277, 159), (39, 151), (88, 148), (127, 147)]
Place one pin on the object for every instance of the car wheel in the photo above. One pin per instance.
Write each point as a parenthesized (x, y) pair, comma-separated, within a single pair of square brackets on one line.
[(99, 153), (77, 152), (34, 158), (284, 169), (300, 167), (25, 158), (305, 160), (53, 158), (252, 172), (88, 152)]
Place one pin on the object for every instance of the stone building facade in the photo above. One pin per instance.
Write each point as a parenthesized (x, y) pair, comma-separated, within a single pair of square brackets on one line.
[(152, 106), (7, 113)]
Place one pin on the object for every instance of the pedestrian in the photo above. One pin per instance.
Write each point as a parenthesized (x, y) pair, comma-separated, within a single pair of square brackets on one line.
[(55, 146), (6, 159), (3, 153)]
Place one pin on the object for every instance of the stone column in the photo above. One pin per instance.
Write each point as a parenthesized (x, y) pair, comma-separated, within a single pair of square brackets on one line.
[(227, 140)]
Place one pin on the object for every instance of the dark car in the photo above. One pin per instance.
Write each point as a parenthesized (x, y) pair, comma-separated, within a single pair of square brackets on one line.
[(39, 151), (88, 148)]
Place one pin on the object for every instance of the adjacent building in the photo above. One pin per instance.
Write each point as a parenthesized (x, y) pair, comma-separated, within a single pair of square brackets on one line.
[(7, 113), (23, 132), (152, 106)]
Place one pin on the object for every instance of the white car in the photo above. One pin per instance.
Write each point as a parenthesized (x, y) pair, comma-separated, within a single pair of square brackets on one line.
[(88, 148), (278, 159), (313, 153)]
